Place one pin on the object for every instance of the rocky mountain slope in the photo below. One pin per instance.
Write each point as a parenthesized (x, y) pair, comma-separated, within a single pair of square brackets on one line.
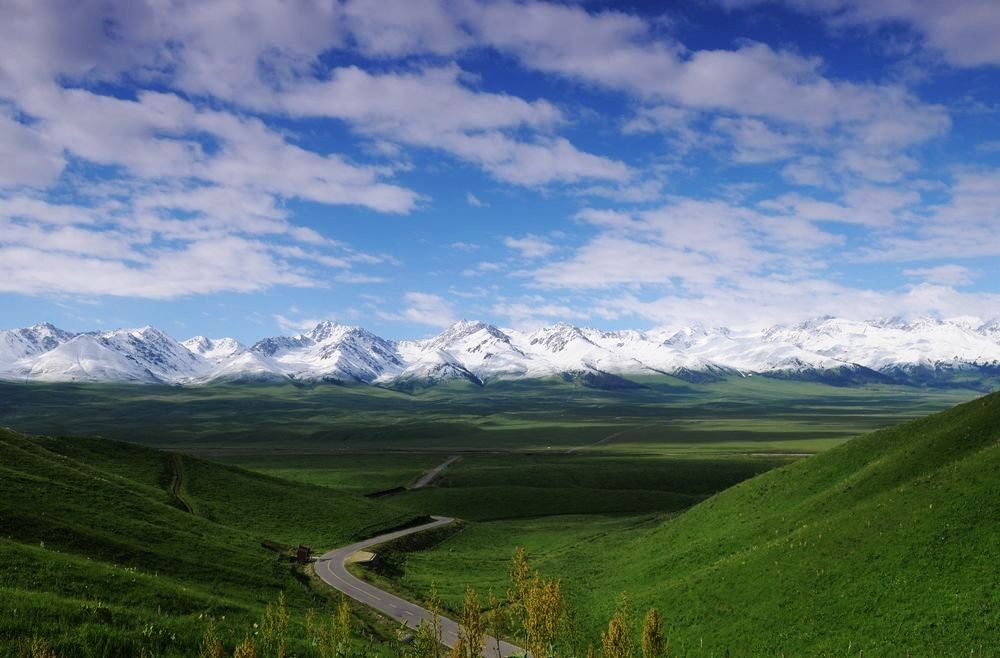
[(835, 350)]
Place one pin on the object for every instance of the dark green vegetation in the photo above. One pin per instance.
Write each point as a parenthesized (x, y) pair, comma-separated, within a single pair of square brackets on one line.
[(665, 415), (101, 557), (490, 487), (886, 545)]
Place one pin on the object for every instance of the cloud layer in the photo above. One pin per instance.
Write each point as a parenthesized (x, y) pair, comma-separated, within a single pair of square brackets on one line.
[(629, 164)]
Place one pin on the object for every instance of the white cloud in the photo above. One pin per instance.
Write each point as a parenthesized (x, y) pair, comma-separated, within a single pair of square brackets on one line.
[(159, 136), (213, 159), (416, 107), (879, 167), (231, 264), (694, 244), (776, 104), (947, 275), (630, 192), (530, 246), (424, 308), (296, 325), (27, 157), (763, 302), (963, 30), (867, 205), (620, 51), (809, 170), (128, 249), (964, 226), (754, 142), (433, 109), (474, 201), (482, 268), (355, 277), (400, 27), (533, 312)]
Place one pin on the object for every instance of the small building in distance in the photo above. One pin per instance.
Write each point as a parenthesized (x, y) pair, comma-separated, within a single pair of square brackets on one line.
[(303, 555)]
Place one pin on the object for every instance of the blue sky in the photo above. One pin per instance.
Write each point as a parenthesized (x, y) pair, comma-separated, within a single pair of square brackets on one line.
[(250, 168)]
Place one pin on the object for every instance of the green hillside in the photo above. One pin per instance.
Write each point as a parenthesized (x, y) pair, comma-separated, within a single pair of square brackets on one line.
[(101, 557), (887, 545)]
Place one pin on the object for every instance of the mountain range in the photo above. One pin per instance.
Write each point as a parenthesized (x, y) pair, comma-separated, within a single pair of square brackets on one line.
[(836, 350)]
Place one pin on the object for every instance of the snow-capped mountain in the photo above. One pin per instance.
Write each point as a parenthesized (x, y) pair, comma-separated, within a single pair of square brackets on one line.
[(829, 349), (333, 351), (20, 343), (480, 349), (122, 355), (215, 350)]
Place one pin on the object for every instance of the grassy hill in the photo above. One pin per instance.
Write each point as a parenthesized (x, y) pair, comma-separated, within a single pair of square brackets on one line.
[(101, 557), (886, 545)]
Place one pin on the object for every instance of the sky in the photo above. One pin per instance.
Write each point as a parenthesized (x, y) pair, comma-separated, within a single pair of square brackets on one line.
[(249, 168)]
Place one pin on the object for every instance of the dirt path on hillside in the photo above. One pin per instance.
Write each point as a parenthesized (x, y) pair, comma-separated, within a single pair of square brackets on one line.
[(432, 474), (175, 463)]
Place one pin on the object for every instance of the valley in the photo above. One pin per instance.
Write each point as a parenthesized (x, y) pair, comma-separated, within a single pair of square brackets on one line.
[(499, 329), (671, 491)]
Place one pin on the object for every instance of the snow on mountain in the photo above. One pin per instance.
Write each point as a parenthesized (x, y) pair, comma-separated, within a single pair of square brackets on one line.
[(333, 351), (428, 365), (17, 344), (246, 366), (216, 350), (476, 347), (154, 351), (570, 349), (990, 329), (84, 358), (130, 355), (926, 342), (830, 349), (652, 350)]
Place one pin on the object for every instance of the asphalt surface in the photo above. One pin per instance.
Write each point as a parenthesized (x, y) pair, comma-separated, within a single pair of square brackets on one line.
[(332, 568)]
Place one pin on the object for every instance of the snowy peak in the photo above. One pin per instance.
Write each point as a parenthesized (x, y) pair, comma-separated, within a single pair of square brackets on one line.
[(152, 350), (332, 332), (559, 338), (85, 358), (215, 350), (826, 348), (334, 352), (470, 336), (19, 343), (480, 349)]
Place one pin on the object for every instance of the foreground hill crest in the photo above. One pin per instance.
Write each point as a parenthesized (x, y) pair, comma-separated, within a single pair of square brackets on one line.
[(927, 350)]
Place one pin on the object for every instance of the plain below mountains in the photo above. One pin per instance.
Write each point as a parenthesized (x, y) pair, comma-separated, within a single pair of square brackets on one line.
[(959, 351)]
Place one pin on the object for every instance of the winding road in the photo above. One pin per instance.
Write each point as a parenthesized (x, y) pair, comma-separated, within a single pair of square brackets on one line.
[(331, 567)]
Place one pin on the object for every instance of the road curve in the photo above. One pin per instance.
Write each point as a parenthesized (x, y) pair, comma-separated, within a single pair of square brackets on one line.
[(331, 567)]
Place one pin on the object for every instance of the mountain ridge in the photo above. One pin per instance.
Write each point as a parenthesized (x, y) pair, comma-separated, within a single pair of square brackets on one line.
[(836, 350)]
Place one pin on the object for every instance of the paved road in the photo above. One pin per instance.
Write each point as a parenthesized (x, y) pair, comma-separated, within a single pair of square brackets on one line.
[(332, 568), (429, 476)]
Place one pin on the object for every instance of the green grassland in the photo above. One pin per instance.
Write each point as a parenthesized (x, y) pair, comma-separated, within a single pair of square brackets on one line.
[(489, 487), (357, 473), (101, 558), (663, 415), (886, 545), (696, 498)]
